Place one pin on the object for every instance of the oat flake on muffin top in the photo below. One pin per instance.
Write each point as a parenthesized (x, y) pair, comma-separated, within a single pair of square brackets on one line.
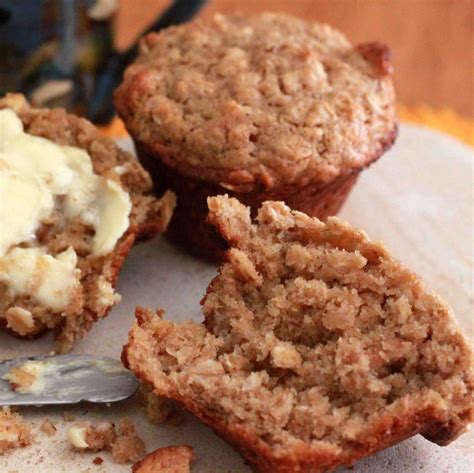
[(267, 99)]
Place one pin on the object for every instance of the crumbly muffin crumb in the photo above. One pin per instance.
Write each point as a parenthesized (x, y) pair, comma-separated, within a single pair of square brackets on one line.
[(123, 443), (14, 431), (175, 459), (48, 428), (318, 347), (129, 446), (157, 408)]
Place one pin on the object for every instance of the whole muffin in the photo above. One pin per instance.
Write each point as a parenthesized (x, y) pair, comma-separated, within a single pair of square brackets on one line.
[(267, 107)]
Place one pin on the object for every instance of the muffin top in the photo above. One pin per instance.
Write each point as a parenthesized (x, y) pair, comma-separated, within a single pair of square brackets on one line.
[(267, 100)]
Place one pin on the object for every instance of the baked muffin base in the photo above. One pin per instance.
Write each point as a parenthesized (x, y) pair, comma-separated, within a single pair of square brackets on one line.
[(189, 227)]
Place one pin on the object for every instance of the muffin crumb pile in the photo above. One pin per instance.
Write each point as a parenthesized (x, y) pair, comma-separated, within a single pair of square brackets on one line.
[(123, 443), (14, 431), (157, 409)]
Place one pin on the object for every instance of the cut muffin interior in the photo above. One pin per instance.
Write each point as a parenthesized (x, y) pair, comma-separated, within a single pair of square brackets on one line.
[(72, 204), (318, 347)]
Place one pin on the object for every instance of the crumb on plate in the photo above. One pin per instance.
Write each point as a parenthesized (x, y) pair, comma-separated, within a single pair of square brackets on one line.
[(14, 431), (123, 443), (174, 459)]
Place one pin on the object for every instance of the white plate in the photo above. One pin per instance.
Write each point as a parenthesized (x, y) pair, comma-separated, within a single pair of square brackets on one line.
[(417, 199)]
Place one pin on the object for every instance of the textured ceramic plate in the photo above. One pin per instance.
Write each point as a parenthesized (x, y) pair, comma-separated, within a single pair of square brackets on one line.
[(417, 199)]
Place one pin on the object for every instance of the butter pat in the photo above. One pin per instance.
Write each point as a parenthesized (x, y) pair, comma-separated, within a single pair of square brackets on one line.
[(37, 170), (52, 280), (29, 377), (101, 202), (39, 177), (10, 126), (114, 207), (107, 296), (77, 437), (22, 205)]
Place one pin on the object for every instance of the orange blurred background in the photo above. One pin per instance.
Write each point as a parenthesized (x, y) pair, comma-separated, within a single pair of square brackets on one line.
[(431, 40)]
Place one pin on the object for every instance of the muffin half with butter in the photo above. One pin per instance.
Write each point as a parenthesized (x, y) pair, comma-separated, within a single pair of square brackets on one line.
[(71, 206)]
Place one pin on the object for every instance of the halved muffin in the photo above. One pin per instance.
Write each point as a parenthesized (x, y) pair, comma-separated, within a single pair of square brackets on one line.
[(318, 347), (71, 206)]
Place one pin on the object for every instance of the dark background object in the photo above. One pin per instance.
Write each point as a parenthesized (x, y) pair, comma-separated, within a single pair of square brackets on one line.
[(61, 52), (101, 108)]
